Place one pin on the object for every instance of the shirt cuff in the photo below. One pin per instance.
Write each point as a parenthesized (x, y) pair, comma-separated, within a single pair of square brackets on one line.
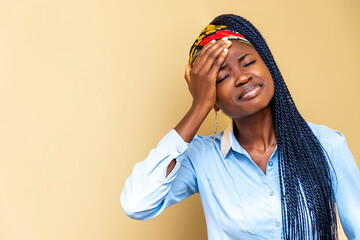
[(170, 147), (173, 144)]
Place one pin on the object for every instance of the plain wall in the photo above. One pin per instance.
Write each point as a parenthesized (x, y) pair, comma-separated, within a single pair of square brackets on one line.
[(87, 88)]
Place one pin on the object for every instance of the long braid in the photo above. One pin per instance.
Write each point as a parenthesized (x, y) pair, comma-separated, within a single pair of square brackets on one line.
[(307, 198)]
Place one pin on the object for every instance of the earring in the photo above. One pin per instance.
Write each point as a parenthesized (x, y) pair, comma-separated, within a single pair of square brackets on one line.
[(216, 109)]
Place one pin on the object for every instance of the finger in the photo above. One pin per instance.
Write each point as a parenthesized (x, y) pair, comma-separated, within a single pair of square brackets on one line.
[(202, 52), (219, 61), (215, 54), (187, 73), (210, 54)]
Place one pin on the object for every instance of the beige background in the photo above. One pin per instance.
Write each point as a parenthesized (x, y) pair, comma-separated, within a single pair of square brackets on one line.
[(87, 88)]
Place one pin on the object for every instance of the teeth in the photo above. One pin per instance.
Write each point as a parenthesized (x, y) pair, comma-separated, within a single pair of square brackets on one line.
[(248, 89)]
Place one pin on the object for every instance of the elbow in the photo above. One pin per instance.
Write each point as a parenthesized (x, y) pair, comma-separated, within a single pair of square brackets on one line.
[(133, 209), (131, 212), (128, 207)]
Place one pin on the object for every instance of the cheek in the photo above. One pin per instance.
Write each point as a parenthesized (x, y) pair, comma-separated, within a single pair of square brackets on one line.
[(271, 86), (224, 100), (223, 93), (272, 89), (266, 75)]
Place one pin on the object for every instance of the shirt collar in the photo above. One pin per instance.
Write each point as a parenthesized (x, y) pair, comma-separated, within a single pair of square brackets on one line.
[(227, 140)]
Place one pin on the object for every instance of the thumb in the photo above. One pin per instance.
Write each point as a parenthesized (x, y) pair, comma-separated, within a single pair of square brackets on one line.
[(187, 73)]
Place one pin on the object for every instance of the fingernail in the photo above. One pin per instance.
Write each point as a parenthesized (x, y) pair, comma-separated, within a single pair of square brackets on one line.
[(225, 39), (225, 50), (228, 42), (213, 41)]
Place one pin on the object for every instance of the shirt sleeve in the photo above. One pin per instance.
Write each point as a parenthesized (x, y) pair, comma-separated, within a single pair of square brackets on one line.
[(147, 191), (347, 188)]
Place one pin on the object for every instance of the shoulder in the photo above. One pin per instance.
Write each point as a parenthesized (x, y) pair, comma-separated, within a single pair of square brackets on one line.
[(204, 147), (205, 143), (328, 137)]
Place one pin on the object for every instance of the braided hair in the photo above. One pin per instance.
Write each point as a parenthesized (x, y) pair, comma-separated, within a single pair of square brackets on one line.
[(307, 197)]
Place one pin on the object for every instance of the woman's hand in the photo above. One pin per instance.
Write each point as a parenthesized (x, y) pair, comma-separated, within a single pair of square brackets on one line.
[(201, 79)]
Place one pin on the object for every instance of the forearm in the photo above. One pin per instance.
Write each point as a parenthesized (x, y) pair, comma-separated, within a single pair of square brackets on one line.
[(191, 122), (145, 192), (188, 127)]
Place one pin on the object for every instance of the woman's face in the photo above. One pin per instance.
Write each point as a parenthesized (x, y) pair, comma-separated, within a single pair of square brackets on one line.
[(244, 84)]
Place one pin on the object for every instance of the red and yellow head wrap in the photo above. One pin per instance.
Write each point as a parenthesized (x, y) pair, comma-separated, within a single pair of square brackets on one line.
[(213, 32)]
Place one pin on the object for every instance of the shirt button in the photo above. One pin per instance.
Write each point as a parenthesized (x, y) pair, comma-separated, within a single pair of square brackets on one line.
[(277, 223), (179, 149), (271, 192), (270, 163)]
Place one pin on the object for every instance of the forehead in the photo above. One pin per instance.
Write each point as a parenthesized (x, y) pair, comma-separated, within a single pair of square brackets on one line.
[(237, 50), (238, 47)]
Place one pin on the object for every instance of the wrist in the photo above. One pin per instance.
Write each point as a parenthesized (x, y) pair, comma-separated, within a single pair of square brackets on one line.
[(201, 108), (191, 122)]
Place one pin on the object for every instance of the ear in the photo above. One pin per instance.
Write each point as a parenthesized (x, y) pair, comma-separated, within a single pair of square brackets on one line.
[(187, 73)]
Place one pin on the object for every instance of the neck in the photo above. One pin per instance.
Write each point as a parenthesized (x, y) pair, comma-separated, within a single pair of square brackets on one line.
[(256, 131)]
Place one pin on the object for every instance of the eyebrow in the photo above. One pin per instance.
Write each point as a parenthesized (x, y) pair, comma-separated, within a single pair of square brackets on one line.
[(240, 59)]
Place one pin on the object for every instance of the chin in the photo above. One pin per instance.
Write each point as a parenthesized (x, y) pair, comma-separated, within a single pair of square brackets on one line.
[(248, 110)]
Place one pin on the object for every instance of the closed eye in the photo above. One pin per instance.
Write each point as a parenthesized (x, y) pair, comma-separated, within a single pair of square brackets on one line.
[(220, 80), (248, 64)]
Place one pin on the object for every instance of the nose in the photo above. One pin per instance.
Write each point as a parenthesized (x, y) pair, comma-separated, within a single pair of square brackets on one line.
[(242, 79)]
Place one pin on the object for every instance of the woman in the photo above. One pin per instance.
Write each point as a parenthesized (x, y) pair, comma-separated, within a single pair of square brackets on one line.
[(270, 175)]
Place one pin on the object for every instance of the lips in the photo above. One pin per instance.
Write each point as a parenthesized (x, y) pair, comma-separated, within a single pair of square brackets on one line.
[(250, 92)]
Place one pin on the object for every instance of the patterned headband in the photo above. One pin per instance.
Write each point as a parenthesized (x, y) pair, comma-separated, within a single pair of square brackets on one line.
[(215, 32)]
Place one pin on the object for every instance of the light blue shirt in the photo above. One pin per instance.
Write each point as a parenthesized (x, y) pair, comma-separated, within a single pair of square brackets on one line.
[(239, 200)]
